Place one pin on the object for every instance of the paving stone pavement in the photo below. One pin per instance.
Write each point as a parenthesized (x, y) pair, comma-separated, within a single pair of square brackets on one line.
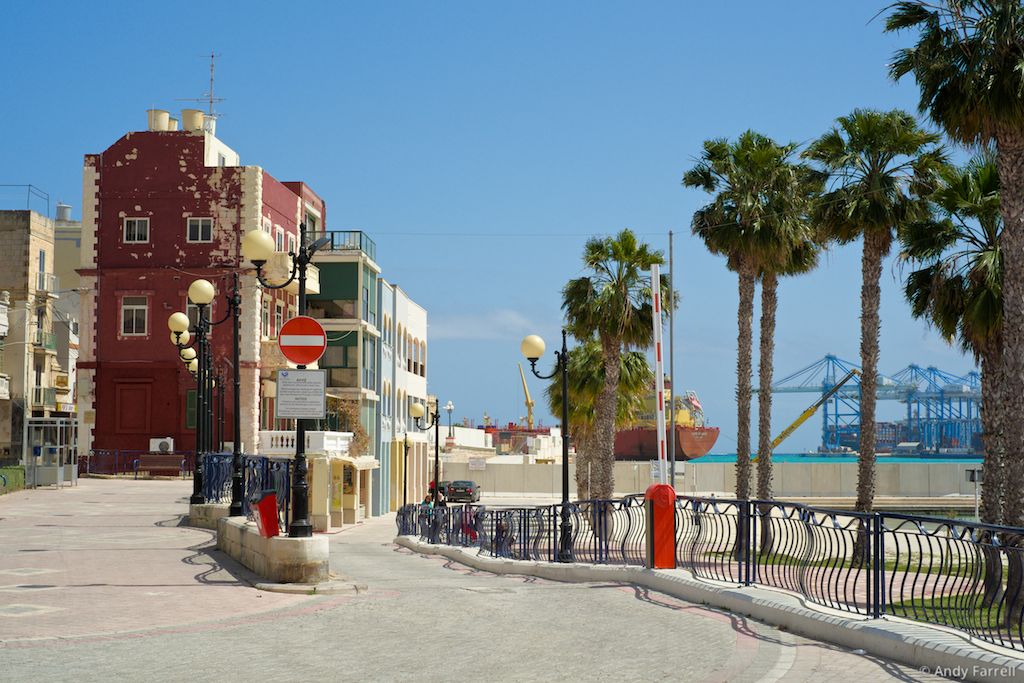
[(99, 583)]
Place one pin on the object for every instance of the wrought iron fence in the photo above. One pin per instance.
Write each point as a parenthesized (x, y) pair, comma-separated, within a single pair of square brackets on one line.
[(261, 474), (962, 575), (217, 477), (121, 461)]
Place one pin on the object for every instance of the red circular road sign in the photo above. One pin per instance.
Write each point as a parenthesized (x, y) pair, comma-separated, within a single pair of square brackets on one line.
[(302, 340)]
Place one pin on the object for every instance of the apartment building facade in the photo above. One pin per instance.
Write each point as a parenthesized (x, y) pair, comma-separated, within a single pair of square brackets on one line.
[(34, 366), (161, 208)]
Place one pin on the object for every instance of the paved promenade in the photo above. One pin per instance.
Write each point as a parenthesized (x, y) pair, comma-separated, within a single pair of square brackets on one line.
[(99, 583)]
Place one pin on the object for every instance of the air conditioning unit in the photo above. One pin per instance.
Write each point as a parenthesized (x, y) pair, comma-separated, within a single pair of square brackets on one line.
[(162, 444)]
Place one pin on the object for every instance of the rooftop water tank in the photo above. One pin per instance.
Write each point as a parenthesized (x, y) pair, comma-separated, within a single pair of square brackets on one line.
[(63, 211)]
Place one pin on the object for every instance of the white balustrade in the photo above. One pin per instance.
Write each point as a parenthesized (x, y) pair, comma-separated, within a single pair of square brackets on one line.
[(282, 443)]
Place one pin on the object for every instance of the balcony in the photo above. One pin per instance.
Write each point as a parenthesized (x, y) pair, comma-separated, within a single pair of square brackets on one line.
[(278, 443), (346, 240), (46, 340), (47, 282), (44, 397), (5, 388), (279, 268), (338, 309)]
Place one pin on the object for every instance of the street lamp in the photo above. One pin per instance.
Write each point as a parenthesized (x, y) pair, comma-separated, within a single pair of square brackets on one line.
[(533, 348), (419, 412), (449, 406), (258, 247)]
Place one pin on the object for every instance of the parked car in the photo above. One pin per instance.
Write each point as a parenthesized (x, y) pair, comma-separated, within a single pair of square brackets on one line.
[(468, 491), (443, 488)]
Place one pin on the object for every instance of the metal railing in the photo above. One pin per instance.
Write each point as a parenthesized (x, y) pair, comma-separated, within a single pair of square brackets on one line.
[(47, 340), (346, 240), (122, 461), (44, 396), (47, 282), (962, 575), (262, 473)]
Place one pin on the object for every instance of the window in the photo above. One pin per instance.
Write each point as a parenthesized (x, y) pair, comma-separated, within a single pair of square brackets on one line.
[(266, 226), (369, 363), (279, 240), (265, 317), (136, 230), (200, 229), (278, 318), (291, 243), (192, 311), (222, 160), (133, 315), (42, 261)]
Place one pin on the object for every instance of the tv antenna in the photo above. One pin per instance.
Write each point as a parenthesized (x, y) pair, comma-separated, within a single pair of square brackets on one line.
[(208, 96)]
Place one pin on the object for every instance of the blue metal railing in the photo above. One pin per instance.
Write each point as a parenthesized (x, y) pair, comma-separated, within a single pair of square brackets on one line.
[(261, 474), (962, 575)]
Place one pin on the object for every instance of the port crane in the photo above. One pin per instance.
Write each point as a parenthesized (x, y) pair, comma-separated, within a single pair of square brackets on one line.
[(811, 409), (529, 402)]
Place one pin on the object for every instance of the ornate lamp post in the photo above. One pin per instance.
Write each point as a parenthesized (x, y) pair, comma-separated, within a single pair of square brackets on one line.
[(258, 247), (449, 406), (425, 422), (533, 348)]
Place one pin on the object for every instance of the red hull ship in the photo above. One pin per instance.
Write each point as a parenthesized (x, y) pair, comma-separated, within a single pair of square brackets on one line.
[(693, 437)]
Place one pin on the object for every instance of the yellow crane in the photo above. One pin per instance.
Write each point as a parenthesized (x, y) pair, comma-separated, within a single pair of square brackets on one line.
[(529, 403), (813, 408)]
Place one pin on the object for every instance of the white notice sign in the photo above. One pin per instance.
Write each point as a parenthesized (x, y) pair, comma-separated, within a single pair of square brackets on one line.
[(302, 394)]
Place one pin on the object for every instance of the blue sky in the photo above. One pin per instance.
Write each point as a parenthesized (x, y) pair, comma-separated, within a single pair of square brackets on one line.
[(481, 144)]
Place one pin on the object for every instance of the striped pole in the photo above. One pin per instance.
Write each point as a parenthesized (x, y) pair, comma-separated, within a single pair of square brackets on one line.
[(659, 373)]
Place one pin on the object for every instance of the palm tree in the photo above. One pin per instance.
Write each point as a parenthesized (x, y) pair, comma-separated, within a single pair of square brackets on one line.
[(613, 304), (586, 379), (880, 166), (967, 63), (797, 260), (754, 221), (958, 289)]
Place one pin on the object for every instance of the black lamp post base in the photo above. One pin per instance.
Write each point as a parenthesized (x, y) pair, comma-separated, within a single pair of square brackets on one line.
[(300, 528), (235, 510), (196, 499), (565, 542)]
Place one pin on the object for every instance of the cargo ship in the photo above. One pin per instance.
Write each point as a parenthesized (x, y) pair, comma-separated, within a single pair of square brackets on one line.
[(694, 438)]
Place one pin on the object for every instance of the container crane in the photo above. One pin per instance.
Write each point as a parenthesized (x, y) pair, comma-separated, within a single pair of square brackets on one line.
[(529, 402), (813, 408)]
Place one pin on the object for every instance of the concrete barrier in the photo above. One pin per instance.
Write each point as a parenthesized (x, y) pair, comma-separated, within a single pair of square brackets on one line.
[(279, 559), (206, 515), (791, 479)]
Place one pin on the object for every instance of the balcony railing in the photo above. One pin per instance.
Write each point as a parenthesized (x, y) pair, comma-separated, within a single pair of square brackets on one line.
[(44, 396), (47, 282), (46, 340), (346, 240), (282, 443)]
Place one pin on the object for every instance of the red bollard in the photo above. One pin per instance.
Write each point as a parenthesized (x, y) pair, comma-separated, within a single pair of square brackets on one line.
[(660, 503)]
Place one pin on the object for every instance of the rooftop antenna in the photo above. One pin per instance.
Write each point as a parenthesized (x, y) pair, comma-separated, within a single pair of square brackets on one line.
[(208, 97)]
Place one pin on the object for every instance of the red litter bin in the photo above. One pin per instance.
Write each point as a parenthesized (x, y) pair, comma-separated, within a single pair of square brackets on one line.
[(264, 510)]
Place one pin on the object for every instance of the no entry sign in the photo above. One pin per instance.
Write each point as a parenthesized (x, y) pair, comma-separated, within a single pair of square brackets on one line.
[(302, 340)]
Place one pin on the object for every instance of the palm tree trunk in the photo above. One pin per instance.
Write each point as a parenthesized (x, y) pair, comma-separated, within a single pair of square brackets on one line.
[(769, 303), (602, 461), (745, 314), (582, 441), (875, 246), (992, 478), (1010, 162)]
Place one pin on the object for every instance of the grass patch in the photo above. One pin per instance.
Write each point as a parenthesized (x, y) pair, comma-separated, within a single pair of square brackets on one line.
[(963, 611)]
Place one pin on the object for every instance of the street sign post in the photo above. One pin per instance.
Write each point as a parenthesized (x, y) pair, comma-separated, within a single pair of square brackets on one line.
[(302, 340), (302, 394)]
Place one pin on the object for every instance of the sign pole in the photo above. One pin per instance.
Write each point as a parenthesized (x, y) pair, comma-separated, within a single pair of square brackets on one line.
[(659, 373)]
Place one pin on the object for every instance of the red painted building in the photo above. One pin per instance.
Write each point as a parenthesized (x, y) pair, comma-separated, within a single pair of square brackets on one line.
[(161, 208)]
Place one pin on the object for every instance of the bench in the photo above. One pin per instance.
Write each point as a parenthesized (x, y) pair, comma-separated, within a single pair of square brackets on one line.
[(159, 464)]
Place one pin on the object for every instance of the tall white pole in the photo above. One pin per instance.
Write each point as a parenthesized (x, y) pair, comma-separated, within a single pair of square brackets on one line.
[(659, 373), (672, 365)]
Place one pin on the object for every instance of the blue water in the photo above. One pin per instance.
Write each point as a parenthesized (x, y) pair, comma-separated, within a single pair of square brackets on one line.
[(809, 458)]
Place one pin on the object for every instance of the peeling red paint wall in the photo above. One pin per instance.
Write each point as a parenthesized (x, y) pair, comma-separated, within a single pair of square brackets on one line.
[(162, 176)]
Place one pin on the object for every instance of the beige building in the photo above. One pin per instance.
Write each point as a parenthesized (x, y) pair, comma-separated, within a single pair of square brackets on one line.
[(32, 360)]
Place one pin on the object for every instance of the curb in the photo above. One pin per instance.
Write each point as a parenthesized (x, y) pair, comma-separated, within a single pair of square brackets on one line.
[(325, 588), (933, 650)]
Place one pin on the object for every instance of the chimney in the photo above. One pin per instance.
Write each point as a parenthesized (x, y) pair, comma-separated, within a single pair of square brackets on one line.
[(63, 212), (192, 120), (157, 119)]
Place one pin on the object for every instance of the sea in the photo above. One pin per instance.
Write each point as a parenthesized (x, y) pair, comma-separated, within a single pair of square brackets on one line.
[(811, 458)]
